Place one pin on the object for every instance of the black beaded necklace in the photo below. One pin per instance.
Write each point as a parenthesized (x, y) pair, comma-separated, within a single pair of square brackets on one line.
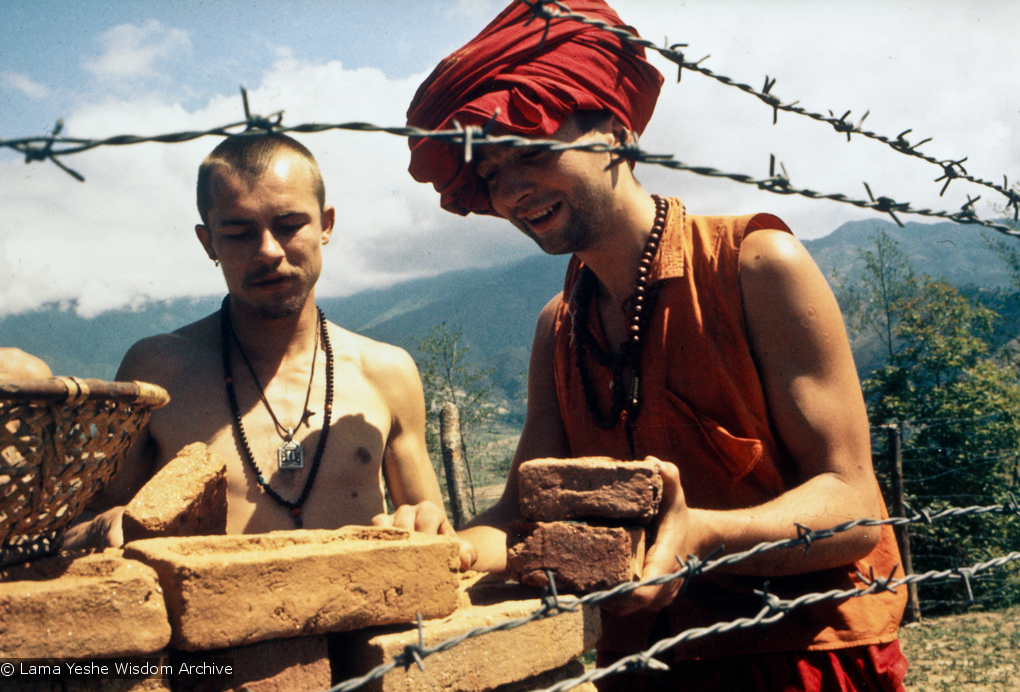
[(290, 455), (626, 401), (226, 336)]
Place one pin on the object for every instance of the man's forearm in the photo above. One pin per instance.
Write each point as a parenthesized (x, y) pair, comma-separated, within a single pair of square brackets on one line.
[(823, 502), (487, 532), (93, 531)]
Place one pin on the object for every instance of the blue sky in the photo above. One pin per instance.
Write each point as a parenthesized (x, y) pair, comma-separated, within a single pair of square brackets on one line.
[(68, 48), (125, 237)]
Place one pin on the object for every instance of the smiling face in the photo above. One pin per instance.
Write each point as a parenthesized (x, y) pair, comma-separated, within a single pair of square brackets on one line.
[(564, 201), (268, 232)]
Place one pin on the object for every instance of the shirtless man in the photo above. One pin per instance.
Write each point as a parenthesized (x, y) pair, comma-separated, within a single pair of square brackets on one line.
[(265, 221)]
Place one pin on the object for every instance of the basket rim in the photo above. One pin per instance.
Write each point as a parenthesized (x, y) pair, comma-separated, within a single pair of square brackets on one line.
[(73, 390)]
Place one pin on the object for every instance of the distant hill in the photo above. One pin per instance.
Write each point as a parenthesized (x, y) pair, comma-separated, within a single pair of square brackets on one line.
[(947, 251), (496, 307), (955, 253)]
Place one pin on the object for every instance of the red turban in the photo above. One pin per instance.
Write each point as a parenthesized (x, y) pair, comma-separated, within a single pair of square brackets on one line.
[(579, 67)]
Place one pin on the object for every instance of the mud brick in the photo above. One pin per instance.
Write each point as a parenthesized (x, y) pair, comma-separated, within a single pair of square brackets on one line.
[(590, 488), (582, 558), (224, 591), (187, 497), (299, 664), (91, 606), (498, 660)]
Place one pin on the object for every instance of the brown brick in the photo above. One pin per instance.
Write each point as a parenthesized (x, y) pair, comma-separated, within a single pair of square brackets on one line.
[(90, 606), (476, 664), (582, 558), (232, 590), (590, 488), (187, 497), (298, 664)]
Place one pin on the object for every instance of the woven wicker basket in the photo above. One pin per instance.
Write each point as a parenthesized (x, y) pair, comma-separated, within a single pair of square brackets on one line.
[(61, 439)]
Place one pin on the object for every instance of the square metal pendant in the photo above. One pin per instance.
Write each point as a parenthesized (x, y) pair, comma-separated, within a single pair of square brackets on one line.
[(290, 455)]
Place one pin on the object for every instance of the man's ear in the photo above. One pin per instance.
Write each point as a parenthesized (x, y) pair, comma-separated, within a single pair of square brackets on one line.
[(328, 220), (621, 133), (205, 237)]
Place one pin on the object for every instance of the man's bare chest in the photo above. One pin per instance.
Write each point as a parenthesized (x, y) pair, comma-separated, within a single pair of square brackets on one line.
[(338, 480)]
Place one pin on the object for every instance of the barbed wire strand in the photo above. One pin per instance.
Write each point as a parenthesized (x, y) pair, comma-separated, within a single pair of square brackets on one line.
[(473, 136), (774, 609), (41, 148), (551, 10), (553, 604)]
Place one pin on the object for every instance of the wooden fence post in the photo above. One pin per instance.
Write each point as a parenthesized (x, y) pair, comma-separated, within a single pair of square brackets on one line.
[(453, 463), (898, 509)]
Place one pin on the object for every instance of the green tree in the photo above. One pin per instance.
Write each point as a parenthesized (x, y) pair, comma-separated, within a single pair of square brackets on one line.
[(1007, 249), (1010, 254), (448, 376), (960, 408), (887, 279)]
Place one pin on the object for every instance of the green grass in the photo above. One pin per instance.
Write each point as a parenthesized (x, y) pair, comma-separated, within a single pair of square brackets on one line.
[(975, 652)]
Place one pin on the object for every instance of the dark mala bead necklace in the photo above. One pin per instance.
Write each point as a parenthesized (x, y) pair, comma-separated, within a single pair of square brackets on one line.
[(226, 336), (625, 400)]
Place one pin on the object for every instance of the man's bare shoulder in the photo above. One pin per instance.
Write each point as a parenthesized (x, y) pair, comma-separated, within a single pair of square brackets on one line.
[(379, 362), (163, 357), (15, 364)]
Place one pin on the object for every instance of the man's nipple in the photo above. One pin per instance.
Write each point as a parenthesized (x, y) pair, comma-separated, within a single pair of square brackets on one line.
[(364, 456)]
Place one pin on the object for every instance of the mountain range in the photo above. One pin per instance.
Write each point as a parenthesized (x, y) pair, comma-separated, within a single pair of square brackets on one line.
[(495, 307)]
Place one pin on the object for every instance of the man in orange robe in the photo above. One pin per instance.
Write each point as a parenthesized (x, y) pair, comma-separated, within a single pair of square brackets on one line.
[(713, 344)]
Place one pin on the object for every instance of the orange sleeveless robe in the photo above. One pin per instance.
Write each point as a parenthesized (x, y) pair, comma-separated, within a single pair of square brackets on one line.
[(703, 409)]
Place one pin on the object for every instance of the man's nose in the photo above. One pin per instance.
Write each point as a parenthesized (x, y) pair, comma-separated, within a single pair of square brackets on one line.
[(269, 246), (513, 190)]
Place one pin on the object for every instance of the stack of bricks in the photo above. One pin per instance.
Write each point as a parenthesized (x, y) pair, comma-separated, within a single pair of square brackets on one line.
[(586, 520), (271, 606)]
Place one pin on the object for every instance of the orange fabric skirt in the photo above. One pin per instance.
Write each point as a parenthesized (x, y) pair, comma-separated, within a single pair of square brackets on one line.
[(877, 668)]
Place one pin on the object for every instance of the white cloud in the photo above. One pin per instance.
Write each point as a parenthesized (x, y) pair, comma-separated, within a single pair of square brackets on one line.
[(130, 52), (19, 82), (945, 78), (126, 235)]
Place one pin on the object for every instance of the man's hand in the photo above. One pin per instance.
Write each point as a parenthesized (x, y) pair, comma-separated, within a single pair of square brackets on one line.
[(101, 531), (426, 517), (673, 537)]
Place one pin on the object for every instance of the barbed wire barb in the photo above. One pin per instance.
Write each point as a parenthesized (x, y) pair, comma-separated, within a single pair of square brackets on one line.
[(413, 652), (965, 574), (265, 124), (949, 173), (45, 152), (676, 56), (770, 99), (805, 534), (887, 205)]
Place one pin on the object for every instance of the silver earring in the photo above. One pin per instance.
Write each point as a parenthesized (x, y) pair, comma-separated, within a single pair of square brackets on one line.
[(216, 262)]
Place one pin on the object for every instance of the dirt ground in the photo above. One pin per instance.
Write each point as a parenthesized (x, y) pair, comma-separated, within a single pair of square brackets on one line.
[(977, 652)]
